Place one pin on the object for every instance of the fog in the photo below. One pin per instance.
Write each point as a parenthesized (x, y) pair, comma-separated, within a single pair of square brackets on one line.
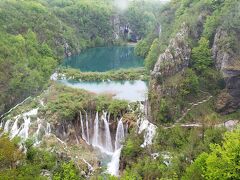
[(123, 4)]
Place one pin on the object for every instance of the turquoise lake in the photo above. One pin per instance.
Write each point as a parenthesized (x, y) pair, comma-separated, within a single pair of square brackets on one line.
[(102, 59)]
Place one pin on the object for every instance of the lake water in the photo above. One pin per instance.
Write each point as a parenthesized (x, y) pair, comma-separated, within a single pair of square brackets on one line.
[(126, 90), (102, 59)]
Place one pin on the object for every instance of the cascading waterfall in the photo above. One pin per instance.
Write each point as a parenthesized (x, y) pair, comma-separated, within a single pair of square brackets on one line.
[(24, 131), (14, 130), (88, 138), (101, 139), (6, 126), (83, 132), (146, 126), (113, 166), (36, 135), (108, 142), (48, 129), (95, 133), (119, 135)]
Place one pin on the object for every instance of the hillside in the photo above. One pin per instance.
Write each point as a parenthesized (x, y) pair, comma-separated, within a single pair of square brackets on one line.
[(37, 35)]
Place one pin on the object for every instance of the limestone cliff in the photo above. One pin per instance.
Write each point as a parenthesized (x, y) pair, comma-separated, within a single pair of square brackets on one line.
[(228, 62), (175, 58), (169, 71)]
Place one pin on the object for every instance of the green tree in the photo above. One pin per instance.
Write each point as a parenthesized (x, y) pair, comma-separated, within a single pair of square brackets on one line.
[(9, 153), (201, 56), (190, 84), (152, 56), (223, 162)]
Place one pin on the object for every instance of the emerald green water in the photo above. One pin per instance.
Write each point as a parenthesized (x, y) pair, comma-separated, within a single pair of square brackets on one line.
[(102, 59)]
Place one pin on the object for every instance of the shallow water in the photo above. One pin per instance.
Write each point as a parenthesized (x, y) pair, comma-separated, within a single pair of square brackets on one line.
[(126, 90)]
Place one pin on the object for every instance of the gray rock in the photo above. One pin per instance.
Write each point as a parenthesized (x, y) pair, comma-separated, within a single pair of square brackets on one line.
[(228, 62), (175, 58)]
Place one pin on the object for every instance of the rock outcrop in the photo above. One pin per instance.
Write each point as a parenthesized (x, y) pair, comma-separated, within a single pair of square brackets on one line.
[(228, 62), (169, 70), (175, 58)]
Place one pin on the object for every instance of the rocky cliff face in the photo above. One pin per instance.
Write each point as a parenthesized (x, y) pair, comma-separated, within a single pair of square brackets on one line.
[(169, 71), (228, 62), (175, 58)]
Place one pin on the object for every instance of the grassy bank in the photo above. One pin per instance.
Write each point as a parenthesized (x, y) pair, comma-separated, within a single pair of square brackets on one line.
[(122, 74)]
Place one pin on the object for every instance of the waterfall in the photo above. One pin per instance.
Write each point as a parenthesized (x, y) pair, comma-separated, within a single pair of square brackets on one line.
[(27, 121), (88, 139), (126, 129), (95, 133), (102, 140), (48, 129), (83, 133), (25, 127), (119, 135), (146, 126), (6, 126), (113, 166), (38, 130), (108, 142), (36, 134), (149, 134), (14, 130)]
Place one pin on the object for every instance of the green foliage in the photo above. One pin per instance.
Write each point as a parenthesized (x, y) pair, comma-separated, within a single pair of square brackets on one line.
[(140, 16), (122, 74), (143, 46), (66, 171), (164, 112), (153, 55), (64, 103), (9, 153), (185, 145), (131, 148), (195, 171), (190, 83), (40, 158), (26, 65), (225, 14), (201, 56), (117, 106), (221, 163), (145, 168), (14, 164)]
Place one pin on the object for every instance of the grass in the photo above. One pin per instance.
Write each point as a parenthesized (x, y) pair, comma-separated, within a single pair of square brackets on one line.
[(122, 74)]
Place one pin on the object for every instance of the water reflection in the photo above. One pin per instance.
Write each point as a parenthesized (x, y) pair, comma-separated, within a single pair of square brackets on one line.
[(102, 59)]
